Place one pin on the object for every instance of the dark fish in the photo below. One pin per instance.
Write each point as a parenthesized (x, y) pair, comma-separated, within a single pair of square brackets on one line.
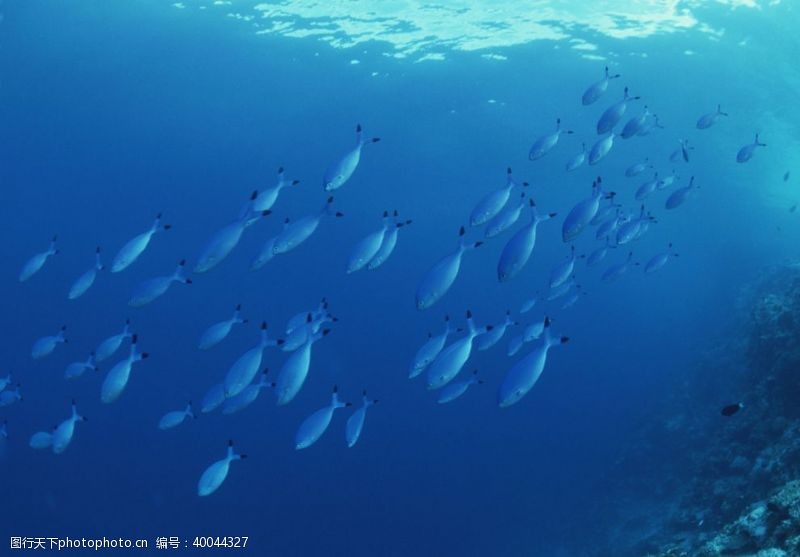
[(786, 176), (732, 409), (793, 208)]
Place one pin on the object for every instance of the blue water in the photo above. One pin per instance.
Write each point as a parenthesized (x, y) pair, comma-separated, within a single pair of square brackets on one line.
[(111, 113)]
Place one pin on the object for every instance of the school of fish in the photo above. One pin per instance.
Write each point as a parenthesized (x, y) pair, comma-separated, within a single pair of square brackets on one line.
[(508, 209)]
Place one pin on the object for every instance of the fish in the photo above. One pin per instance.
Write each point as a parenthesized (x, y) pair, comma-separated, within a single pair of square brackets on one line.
[(439, 278), (355, 423), (515, 344), (604, 212), (682, 152), (298, 337), (505, 219), (664, 183), (245, 368), (680, 195), (615, 271), (646, 189), (213, 398), (577, 161), (454, 390), (596, 90), (493, 336), (649, 125), (605, 230), (708, 120), (561, 272), (215, 474), (572, 299), (637, 168), (583, 212), (786, 176), (300, 319), (545, 143), (131, 251), (613, 114), (247, 396), (367, 247), (109, 346), (117, 379), (658, 261), (601, 148), (533, 331), (453, 357), (746, 152), (343, 168), (154, 288), (793, 208), (225, 240), (428, 351), (598, 255), (265, 200), (635, 124), (217, 332), (35, 263), (644, 226), (630, 230), (220, 246), (62, 436), (45, 345), (312, 428), (9, 397), (76, 369), (388, 244), (41, 440), (301, 230), (493, 202), (561, 290), (267, 252), (518, 249), (86, 280), (731, 409), (176, 417), (529, 304), (526, 372), (295, 370)]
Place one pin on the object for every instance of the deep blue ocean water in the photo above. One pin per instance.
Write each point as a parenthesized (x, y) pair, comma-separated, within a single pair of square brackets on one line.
[(113, 112)]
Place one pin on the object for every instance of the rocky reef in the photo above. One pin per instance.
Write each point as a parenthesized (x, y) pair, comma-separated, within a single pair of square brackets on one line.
[(769, 528), (725, 486)]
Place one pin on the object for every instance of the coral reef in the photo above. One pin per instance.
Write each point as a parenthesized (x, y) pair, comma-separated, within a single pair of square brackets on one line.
[(726, 486), (768, 528)]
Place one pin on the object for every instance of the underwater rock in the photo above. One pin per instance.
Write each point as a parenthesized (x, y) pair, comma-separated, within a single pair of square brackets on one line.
[(735, 488), (766, 529)]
